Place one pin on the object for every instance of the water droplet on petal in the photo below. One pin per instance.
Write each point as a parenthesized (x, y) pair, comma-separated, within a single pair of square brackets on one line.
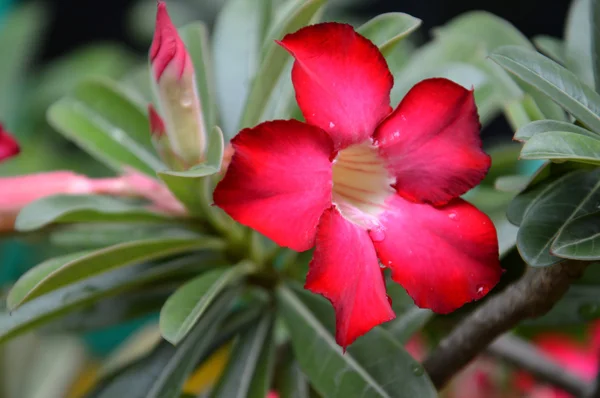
[(331, 125), (452, 215), (418, 370), (389, 299), (377, 234), (482, 290)]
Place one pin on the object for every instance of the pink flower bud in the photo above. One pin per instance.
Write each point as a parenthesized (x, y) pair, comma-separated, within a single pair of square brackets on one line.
[(8, 145)]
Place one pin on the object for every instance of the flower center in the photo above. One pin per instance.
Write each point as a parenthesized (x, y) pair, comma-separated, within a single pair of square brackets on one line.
[(361, 184)]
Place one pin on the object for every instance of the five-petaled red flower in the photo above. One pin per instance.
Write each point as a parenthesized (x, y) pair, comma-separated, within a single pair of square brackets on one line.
[(361, 182)]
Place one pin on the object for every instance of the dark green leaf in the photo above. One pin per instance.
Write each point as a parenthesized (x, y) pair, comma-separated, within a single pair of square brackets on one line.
[(187, 305), (52, 275), (82, 208), (409, 318), (554, 81), (374, 366), (580, 305), (545, 126), (578, 41), (386, 30), (564, 199), (594, 20), (247, 374), (291, 380), (551, 47), (579, 239), (562, 145)]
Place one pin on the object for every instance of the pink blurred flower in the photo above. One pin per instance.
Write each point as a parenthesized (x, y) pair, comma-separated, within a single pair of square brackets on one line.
[(8, 145)]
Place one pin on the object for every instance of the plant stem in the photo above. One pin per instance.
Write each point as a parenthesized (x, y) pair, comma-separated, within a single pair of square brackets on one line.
[(530, 297), (524, 355)]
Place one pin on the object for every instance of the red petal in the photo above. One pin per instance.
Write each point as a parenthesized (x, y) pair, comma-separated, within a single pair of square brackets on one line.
[(341, 79), (432, 142), (8, 145), (575, 357), (167, 46), (157, 126), (345, 270), (444, 257), (279, 181)]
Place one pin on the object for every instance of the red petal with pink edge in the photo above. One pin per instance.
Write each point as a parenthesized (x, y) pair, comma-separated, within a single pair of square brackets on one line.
[(279, 181), (443, 257), (8, 145), (167, 46), (345, 270), (432, 143), (341, 79)]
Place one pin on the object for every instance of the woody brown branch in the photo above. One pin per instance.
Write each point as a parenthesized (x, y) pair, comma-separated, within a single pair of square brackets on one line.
[(530, 297)]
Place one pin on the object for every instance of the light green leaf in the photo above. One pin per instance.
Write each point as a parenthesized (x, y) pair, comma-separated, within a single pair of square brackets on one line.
[(82, 208), (238, 36), (107, 124), (50, 276), (374, 366), (579, 239), (545, 126), (511, 183), (191, 186), (554, 81), (594, 20), (386, 30), (551, 47), (563, 145), (183, 309), (569, 197), (90, 290), (578, 41), (274, 59), (249, 371)]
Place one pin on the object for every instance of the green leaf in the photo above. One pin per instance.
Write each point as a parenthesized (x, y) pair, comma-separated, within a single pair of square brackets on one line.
[(386, 30), (238, 35), (595, 37), (579, 239), (374, 366), (248, 372), (50, 276), (554, 81), (578, 41), (196, 39), (551, 47), (163, 373), (105, 122), (409, 318), (88, 291), (562, 145), (82, 208), (274, 59), (291, 381), (579, 306), (191, 187), (563, 200), (183, 309), (511, 183), (545, 126)]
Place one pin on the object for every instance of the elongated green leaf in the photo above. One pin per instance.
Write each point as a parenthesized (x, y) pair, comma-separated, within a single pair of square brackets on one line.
[(374, 366), (190, 187), (386, 30), (183, 309), (595, 37), (82, 208), (274, 59), (239, 33), (106, 124), (163, 373), (571, 196), (50, 276), (291, 382), (554, 81), (83, 293), (551, 47), (545, 126), (578, 41), (195, 36), (247, 374), (579, 239), (562, 145)]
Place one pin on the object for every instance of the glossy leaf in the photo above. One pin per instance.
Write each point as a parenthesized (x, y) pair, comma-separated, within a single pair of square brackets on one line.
[(386, 30), (81, 294), (562, 145), (554, 81), (238, 36), (374, 366), (578, 41), (163, 373), (579, 239), (187, 305), (50, 276), (247, 374), (571, 196), (545, 126), (103, 121), (551, 47), (274, 59), (82, 208)]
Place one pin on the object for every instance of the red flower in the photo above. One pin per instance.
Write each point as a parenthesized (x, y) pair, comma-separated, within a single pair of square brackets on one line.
[(8, 145), (362, 182)]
